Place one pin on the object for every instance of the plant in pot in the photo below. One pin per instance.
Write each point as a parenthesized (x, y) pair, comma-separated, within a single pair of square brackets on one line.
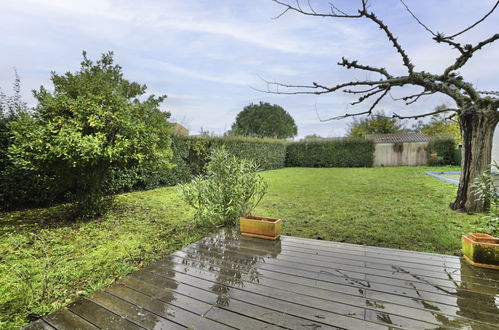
[(481, 249), (230, 188)]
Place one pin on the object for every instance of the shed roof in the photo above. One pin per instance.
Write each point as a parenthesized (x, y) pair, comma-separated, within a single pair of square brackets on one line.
[(398, 137)]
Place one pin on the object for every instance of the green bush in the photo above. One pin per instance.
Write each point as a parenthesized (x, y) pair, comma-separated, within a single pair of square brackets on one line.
[(231, 188), (332, 153), (93, 125), (444, 147), (437, 161)]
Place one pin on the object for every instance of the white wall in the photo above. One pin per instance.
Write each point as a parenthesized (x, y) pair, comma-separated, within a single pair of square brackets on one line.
[(495, 146)]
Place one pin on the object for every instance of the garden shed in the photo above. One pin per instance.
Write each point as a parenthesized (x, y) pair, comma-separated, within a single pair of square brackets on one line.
[(400, 149)]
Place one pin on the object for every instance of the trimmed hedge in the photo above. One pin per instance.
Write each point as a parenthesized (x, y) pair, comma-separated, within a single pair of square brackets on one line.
[(332, 153), (191, 155), (268, 153), (443, 147)]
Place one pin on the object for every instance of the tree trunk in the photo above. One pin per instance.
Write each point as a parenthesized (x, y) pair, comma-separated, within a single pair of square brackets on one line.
[(477, 130)]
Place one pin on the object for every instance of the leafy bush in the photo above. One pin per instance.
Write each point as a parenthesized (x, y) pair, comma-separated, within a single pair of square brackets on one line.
[(436, 161), (487, 189), (444, 148), (332, 153), (231, 188), (94, 125)]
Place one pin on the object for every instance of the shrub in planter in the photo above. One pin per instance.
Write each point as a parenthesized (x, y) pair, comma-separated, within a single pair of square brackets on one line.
[(230, 188)]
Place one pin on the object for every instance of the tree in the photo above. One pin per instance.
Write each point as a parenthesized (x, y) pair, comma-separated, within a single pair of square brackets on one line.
[(377, 123), (476, 111), (440, 126), (11, 108), (94, 123), (264, 120)]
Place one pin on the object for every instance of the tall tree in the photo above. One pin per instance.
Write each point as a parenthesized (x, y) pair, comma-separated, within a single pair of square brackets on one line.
[(476, 111), (264, 120), (377, 123), (94, 123)]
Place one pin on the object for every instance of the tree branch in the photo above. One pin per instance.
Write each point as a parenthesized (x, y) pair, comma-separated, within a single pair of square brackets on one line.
[(414, 97), (468, 53), (353, 64), (476, 23), (368, 112), (396, 45), (424, 115), (312, 12), (418, 20)]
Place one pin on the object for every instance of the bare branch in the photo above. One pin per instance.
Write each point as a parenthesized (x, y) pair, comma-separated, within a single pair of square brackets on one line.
[(359, 92), (312, 12), (476, 23), (468, 53), (353, 64), (417, 19), (441, 38), (395, 43), (425, 114), (366, 96), (412, 98), (368, 112)]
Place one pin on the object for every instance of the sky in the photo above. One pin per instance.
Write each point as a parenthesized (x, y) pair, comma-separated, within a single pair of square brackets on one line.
[(211, 58)]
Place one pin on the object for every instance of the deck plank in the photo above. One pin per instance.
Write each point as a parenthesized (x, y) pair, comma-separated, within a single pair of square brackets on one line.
[(445, 303), (227, 281), (403, 307)]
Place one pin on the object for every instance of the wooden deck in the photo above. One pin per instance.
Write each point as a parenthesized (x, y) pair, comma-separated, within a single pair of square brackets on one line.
[(228, 281)]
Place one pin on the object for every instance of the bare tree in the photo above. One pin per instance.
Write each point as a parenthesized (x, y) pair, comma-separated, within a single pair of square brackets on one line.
[(476, 111)]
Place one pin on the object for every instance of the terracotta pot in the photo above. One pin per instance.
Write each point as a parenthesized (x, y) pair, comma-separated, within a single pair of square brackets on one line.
[(481, 250), (261, 227)]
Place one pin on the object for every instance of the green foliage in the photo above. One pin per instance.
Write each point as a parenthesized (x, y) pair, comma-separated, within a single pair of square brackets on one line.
[(377, 123), (93, 124), (437, 161), (444, 148), (264, 120), (231, 188), (16, 186), (331, 153), (192, 153), (487, 189), (440, 127)]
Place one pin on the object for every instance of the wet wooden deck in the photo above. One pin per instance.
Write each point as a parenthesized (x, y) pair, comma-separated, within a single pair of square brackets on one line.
[(229, 281)]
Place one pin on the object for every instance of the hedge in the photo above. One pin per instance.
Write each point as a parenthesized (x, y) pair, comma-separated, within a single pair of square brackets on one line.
[(332, 153), (443, 147), (191, 155), (268, 153)]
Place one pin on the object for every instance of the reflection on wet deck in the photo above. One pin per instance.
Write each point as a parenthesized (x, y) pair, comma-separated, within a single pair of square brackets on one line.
[(230, 281)]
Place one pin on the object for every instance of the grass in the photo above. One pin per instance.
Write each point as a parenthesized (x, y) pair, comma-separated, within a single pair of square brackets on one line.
[(47, 262), (396, 207)]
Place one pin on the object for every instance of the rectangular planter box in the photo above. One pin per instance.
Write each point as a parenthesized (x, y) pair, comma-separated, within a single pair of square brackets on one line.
[(481, 250), (261, 227)]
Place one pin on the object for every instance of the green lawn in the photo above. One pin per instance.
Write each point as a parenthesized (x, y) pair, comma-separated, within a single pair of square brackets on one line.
[(396, 207), (47, 261)]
